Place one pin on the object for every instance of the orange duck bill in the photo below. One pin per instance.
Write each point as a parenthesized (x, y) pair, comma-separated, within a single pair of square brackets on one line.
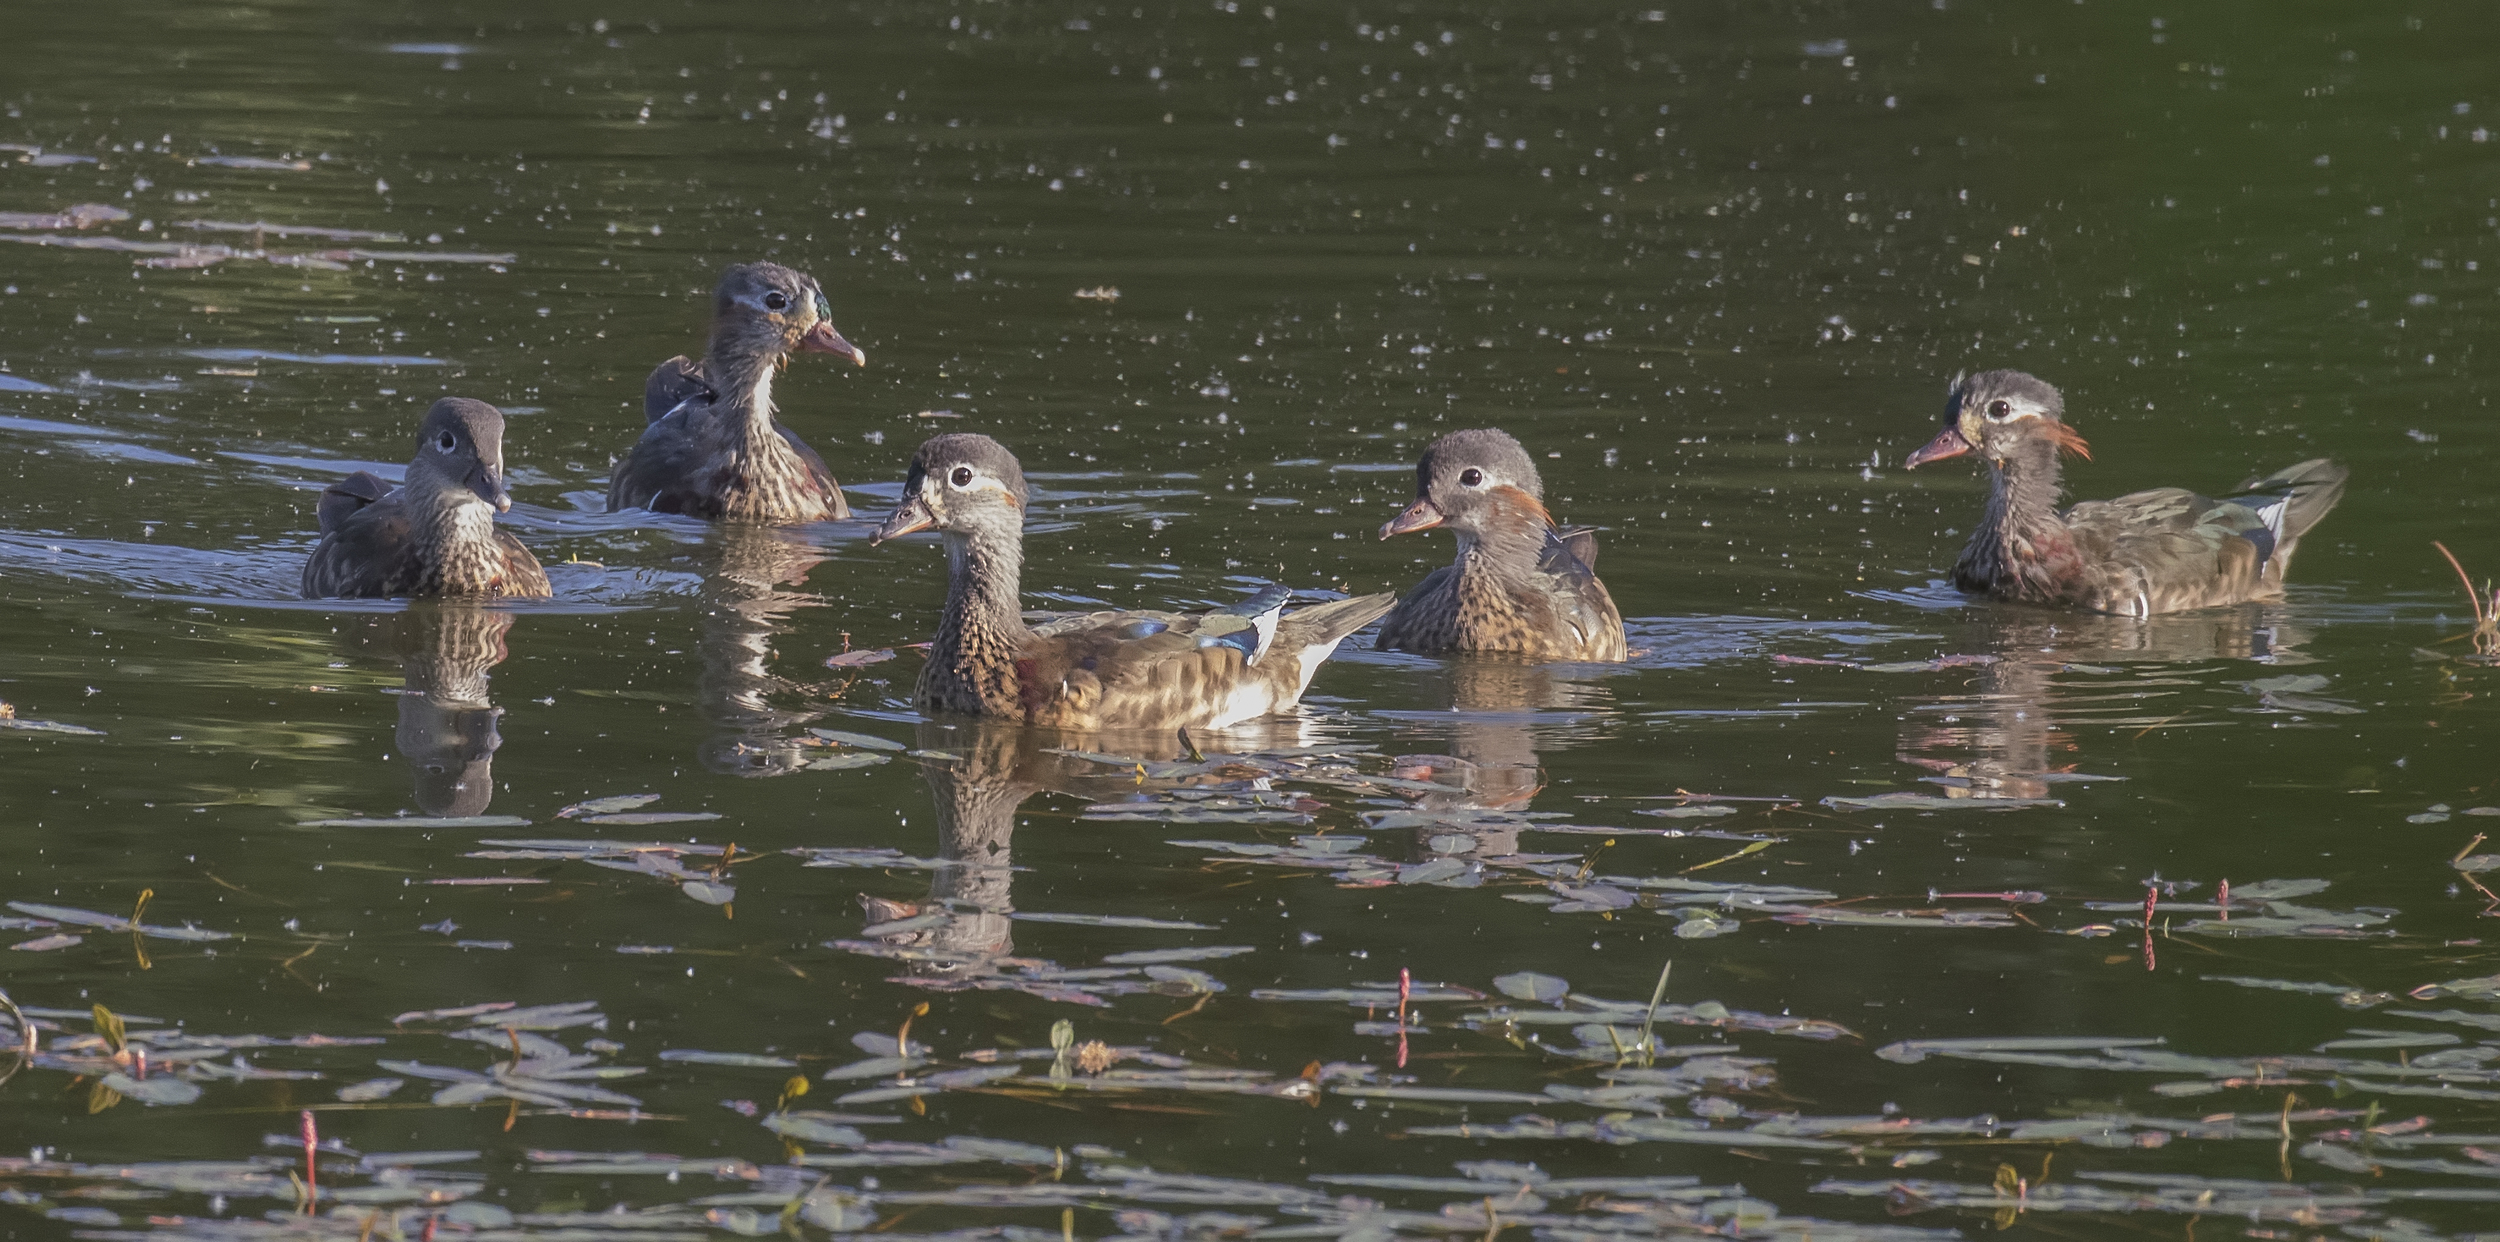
[(1421, 515), (1948, 443), (822, 339)]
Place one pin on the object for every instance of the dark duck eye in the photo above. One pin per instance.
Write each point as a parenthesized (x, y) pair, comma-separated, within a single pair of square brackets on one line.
[(776, 301), (1471, 477), (962, 476), (447, 442), (2000, 409)]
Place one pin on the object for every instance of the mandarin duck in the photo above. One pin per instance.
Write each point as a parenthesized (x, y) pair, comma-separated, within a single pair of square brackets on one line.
[(2144, 553), (435, 533), (1519, 586), (710, 447), (1091, 671)]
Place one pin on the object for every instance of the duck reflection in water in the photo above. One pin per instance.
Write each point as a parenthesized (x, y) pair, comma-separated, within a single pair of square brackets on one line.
[(1497, 703), (447, 716), (2008, 735), (746, 604), (963, 932)]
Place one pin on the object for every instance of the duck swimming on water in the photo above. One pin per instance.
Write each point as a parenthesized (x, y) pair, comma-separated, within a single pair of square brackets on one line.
[(1093, 671), (2143, 553), (710, 447), (433, 534), (1519, 585)]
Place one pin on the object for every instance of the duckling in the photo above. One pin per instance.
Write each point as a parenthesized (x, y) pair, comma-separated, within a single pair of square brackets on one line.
[(433, 534), (1519, 585), (1094, 671), (710, 447), (2144, 553)]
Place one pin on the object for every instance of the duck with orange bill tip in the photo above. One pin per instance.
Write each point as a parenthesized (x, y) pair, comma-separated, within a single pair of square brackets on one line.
[(1520, 585), (710, 447), (2143, 553)]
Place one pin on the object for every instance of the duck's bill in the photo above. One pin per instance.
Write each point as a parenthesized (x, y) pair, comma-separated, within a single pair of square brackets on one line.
[(1948, 443), (1421, 515), (489, 487), (822, 339), (912, 516)]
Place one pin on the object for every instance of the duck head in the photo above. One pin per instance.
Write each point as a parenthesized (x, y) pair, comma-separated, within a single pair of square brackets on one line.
[(961, 485), (460, 449), (765, 310), (1466, 479), (1998, 414)]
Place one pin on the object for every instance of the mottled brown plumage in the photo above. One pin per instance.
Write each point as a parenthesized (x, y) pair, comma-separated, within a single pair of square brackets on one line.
[(1519, 586), (2144, 553), (1096, 671), (710, 447), (435, 533)]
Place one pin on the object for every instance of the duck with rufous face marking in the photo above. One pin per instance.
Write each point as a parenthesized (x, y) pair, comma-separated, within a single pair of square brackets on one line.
[(710, 447), (435, 533), (2143, 553), (1520, 586)]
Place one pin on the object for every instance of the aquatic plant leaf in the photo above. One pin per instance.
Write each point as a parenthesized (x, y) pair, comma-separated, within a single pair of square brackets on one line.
[(747, 1060), (1111, 920), (1528, 985), (1932, 802), (370, 1089), (612, 805), (153, 1089), (637, 818), (1146, 957), (1912, 1051), (869, 741)]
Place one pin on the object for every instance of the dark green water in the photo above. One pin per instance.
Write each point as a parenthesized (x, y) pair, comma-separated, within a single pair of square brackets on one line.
[(1713, 263)]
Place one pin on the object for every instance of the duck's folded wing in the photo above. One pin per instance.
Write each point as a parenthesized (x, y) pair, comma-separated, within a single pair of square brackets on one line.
[(1427, 619), (365, 557), (824, 477), (2169, 548), (523, 577), (347, 496), (1580, 600), (672, 384)]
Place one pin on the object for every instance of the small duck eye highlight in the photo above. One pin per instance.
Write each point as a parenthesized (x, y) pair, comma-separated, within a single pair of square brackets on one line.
[(776, 301), (1471, 477), (1999, 409), (962, 476)]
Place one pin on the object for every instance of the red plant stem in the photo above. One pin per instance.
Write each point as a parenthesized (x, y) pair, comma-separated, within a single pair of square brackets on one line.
[(312, 1141), (1406, 988), (2223, 899), (2152, 898)]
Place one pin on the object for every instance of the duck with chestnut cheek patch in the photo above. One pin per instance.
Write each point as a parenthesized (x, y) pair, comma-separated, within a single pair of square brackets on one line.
[(433, 534), (1097, 671), (710, 447), (1519, 585), (2149, 552)]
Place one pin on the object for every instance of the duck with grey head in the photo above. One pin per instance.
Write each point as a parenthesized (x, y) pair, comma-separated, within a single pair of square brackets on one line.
[(1520, 586), (1093, 671), (2143, 553), (710, 447), (435, 533)]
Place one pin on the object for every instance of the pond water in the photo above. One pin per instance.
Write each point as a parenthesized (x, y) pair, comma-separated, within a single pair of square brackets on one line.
[(1218, 272)]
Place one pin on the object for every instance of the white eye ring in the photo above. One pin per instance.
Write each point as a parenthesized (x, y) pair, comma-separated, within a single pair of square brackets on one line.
[(961, 476), (2000, 410), (448, 442), (776, 301), (1471, 477)]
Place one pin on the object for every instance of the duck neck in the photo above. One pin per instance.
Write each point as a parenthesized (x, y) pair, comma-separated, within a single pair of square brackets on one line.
[(1505, 546), (2023, 490), (984, 609), (743, 380)]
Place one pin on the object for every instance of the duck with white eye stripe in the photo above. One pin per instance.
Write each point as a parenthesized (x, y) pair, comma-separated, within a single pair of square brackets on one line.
[(435, 533), (1094, 671), (2143, 553), (710, 447), (1520, 586)]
